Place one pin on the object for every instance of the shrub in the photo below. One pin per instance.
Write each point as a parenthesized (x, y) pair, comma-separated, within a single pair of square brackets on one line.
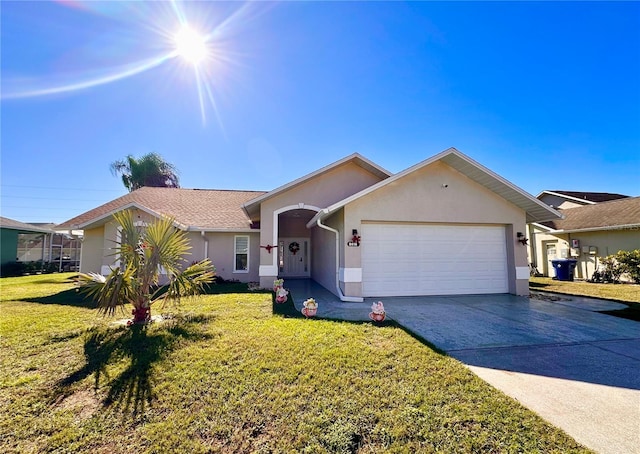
[(630, 263), (611, 269)]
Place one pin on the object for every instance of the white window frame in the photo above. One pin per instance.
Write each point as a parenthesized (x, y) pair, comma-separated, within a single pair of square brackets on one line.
[(235, 253)]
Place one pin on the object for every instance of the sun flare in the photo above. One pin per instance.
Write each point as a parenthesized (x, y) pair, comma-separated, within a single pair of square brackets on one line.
[(190, 45)]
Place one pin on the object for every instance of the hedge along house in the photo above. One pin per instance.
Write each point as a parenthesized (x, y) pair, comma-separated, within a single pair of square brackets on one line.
[(444, 226)]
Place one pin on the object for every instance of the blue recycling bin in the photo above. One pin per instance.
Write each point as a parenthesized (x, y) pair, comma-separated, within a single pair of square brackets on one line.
[(565, 269)]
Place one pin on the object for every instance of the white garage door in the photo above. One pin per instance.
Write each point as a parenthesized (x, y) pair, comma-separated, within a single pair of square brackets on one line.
[(418, 259)]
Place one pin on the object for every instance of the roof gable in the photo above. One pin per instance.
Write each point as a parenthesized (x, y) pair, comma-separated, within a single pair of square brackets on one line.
[(536, 211), (192, 209), (253, 206)]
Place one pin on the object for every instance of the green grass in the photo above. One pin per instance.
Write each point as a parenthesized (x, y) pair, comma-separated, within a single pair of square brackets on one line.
[(225, 375), (629, 294)]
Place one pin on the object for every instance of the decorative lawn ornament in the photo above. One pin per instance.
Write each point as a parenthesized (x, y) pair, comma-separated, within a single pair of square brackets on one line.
[(281, 295), (277, 284), (377, 313), (310, 308)]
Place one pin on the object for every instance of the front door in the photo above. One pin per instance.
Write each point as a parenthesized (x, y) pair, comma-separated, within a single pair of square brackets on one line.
[(293, 257)]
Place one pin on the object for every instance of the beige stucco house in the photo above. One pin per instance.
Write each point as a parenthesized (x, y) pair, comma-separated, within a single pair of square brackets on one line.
[(447, 225), (587, 233)]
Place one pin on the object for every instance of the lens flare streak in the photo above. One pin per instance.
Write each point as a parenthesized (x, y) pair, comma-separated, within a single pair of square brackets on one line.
[(203, 59), (127, 71)]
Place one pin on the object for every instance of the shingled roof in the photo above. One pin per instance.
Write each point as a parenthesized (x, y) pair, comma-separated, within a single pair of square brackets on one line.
[(595, 197), (613, 215), (193, 209), (7, 223)]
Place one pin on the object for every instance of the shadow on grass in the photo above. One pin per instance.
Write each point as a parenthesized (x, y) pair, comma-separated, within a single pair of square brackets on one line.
[(75, 298), (71, 297), (140, 346), (537, 285), (288, 310)]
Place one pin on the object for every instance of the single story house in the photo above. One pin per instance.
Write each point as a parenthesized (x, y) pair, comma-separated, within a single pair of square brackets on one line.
[(20, 241), (446, 225), (39, 242), (586, 234)]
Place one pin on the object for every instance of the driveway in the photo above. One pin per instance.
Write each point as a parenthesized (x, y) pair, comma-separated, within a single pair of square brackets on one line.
[(577, 368)]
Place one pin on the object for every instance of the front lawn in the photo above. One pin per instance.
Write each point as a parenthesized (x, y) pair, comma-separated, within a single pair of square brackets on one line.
[(225, 375), (619, 292), (628, 294)]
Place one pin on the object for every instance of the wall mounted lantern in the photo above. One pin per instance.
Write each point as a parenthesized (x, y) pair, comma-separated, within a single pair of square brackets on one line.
[(355, 239), (522, 239)]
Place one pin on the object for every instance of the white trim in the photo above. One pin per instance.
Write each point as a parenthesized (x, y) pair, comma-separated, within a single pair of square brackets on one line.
[(541, 227), (445, 157), (268, 270), (235, 253), (195, 228), (353, 299), (351, 275), (276, 213), (123, 208), (522, 272), (592, 229), (568, 197)]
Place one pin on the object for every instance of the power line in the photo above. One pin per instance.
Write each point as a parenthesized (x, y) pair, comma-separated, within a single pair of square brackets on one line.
[(62, 189), (48, 198)]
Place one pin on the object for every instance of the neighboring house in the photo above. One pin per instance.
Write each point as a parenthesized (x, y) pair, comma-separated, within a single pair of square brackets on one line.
[(447, 225), (571, 199), (22, 242), (586, 234)]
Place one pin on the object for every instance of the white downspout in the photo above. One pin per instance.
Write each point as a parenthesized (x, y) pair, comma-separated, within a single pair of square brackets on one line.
[(206, 245), (351, 299)]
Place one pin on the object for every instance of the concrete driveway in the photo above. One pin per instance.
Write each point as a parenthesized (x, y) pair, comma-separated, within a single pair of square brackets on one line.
[(577, 368)]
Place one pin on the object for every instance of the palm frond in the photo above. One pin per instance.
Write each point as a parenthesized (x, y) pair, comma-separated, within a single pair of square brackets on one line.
[(189, 282), (110, 291)]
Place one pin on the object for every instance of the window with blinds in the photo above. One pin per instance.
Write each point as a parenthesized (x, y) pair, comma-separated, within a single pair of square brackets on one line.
[(241, 256)]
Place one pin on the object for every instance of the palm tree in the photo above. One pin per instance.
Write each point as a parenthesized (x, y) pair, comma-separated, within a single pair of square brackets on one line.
[(143, 253), (149, 170)]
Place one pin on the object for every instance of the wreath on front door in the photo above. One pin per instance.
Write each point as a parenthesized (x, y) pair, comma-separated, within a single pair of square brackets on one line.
[(294, 247)]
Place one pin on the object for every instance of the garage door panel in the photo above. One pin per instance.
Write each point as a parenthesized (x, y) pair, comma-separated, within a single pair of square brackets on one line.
[(433, 260)]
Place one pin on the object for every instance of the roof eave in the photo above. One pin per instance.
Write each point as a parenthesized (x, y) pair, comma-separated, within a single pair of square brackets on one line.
[(98, 220), (568, 197), (596, 229), (535, 210)]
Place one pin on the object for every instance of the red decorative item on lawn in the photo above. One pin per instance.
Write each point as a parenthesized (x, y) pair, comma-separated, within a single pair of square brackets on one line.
[(310, 308), (309, 312), (281, 295), (377, 313)]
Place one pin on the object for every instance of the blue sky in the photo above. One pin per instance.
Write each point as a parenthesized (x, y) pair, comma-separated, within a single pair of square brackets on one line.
[(545, 94)]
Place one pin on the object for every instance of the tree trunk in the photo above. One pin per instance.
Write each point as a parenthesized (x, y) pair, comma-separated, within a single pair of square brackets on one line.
[(141, 315)]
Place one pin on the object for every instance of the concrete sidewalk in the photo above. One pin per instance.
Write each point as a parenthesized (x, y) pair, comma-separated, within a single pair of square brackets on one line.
[(577, 368)]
